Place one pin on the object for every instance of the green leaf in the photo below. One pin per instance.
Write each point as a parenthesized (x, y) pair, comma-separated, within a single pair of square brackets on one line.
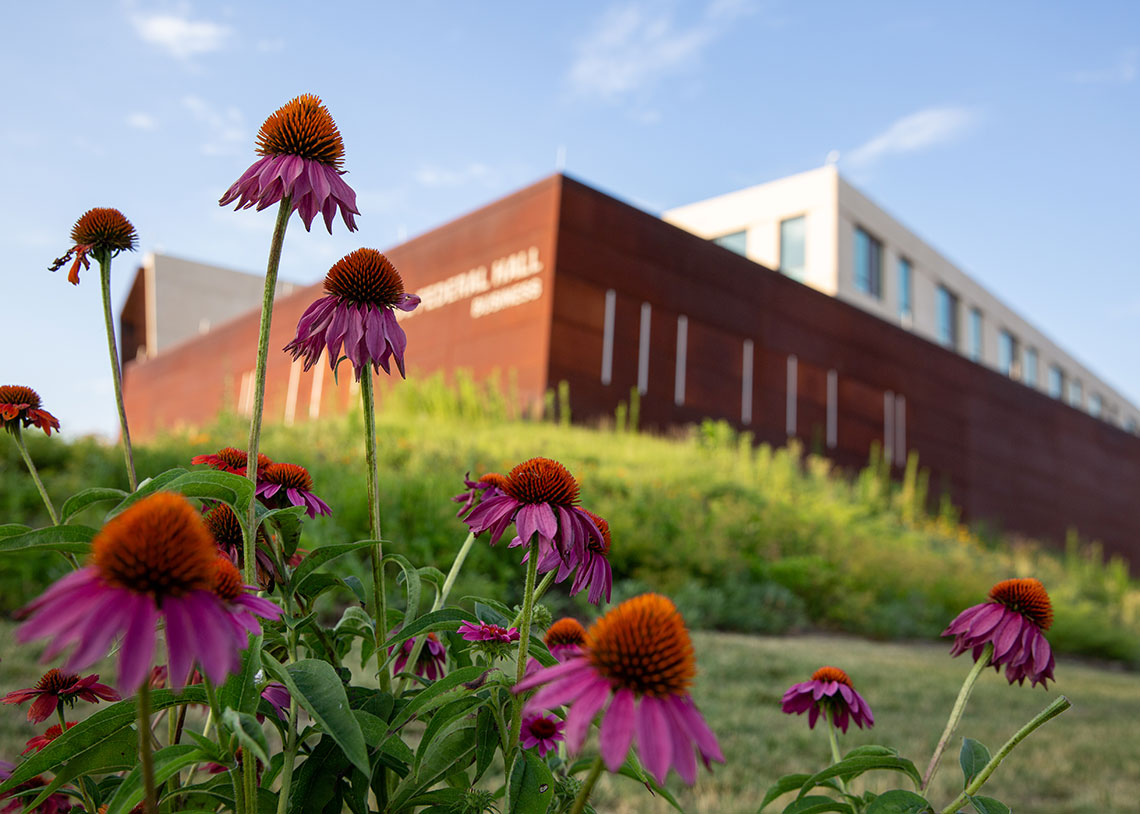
[(210, 484), (248, 732), (899, 801), (872, 750), (444, 619), (319, 556), (530, 787), (855, 766), (412, 585), (633, 770), (435, 694), (81, 500), (287, 520), (115, 754), (815, 804), (240, 690), (317, 688), (12, 529), (789, 782), (315, 782), (69, 539), (988, 805), (317, 584), (167, 762), (455, 751), (488, 614), (973, 758), (444, 717), (357, 587), (147, 487), (486, 741)]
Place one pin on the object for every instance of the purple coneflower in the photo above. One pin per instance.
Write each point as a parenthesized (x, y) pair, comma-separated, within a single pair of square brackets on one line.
[(155, 561), (225, 527), (303, 155), (829, 692), (364, 289), (232, 460), (431, 660), (594, 571), (20, 405), (486, 632), (278, 698), (1018, 610), (57, 687), (564, 638), (639, 658), (485, 486), (97, 230), (244, 608), (291, 485), (543, 731), (38, 742)]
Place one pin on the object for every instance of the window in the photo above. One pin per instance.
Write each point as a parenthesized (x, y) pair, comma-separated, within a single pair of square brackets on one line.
[(793, 234), (906, 289), (735, 241), (947, 313), (1056, 382), (1029, 365), (1008, 354), (868, 264), (975, 334), (1096, 405), (1076, 393)]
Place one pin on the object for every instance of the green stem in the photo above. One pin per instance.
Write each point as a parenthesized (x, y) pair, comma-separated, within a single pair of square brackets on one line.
[(62, 720), (834, 740), (956, 713), (17, 434), (524, 638), (150, 801), (547, 581), (249, 775), (250, 548), (588, 786), (104, 258), (1050, 712), (291, 745), (379, 600)]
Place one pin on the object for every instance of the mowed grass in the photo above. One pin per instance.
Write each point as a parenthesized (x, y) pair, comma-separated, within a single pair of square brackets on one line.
[(1087, 760)]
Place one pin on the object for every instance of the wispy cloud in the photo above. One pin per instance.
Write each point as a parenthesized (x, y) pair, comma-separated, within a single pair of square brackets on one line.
[(918, 131), (436, 176), (142, 121), (179, 36), (636, 44), (1125, 70), (225, 129)]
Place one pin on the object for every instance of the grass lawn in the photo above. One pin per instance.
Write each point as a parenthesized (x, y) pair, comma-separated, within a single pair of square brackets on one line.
[(1085, 761)]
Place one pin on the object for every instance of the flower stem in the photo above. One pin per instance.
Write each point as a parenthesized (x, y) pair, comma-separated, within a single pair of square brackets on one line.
[(150, 801), (982, 662), (250, 548), (835, 756), (104, 258), (588, 786), (17, 434), (379, 600), (249, 776), (456, 566), (1050, 712), (291, 746), (547, 580), (524, 637)]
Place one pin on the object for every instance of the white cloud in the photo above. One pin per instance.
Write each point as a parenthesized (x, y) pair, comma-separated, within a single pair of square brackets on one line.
[(918, 131), (636, 44), (179, 36), (1124, 71), (142, 121), (225, 129), (270, 46), (433, 176)]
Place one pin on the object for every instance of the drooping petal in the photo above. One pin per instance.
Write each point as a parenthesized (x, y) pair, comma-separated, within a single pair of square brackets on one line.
[(617, 729)]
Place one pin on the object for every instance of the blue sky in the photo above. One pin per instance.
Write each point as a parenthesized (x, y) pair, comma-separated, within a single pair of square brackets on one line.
[(1009, 138)]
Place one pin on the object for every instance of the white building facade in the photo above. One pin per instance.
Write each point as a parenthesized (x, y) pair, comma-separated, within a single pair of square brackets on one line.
[(818, 229)]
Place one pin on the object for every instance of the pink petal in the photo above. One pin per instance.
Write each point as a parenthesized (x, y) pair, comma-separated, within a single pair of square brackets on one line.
[(617, 729)]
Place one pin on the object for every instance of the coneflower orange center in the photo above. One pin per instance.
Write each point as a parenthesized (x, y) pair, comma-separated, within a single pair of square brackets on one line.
[(643, 645), (55, 681), (159, 546), (18, 394), (541, 480), (365, 276), (104, 228), (494, 479), (831, 674), (1027, 597), (302, 127), (228, 584), (543, 728), (290, 476), (601, 546), (564, 632)]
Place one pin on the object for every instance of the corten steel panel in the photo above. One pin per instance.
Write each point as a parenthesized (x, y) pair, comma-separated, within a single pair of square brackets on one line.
[(514, 237), (1009, 455)]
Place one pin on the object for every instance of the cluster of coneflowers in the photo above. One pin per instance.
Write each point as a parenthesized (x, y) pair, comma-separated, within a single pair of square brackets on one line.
[(197, 584)]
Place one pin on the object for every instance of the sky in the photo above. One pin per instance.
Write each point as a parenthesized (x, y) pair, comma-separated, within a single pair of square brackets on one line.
[(1006, 135)]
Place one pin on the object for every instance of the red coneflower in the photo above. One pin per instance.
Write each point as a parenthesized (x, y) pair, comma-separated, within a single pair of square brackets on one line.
[(57, 687), (292, 483), (431, 661), (639, 658), (487, 485), (565, 638), (243, 607), (155, 561), (364, 289), (830, 693), (232, 460), (542, 731), (97, 230), (14, 799), (1012, 620), (20, 405), (303, 155), (38, 742)]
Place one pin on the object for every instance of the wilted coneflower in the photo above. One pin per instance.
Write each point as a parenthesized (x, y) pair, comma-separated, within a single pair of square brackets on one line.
[(543, 732), (594, 570), (244, 608), (278, 697), (639, 658), (20, 407), (487, 485), (364, 289), (430, 662), (1012, 620), (302, 158), (829, 693), (99, 230), (565, 638), (234, 461), (38, 742), (57, 688), (155, 561), (282, 485), (225, 528)]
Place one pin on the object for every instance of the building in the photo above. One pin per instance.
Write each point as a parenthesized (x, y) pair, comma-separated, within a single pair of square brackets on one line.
[(818, 229), (560, 282)]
